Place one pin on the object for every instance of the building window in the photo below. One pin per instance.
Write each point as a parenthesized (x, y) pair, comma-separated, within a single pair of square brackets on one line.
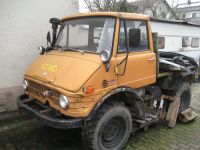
[(185, 41), (183, 16), (194, 15), (161, 42), (164, 15), (195, 42)]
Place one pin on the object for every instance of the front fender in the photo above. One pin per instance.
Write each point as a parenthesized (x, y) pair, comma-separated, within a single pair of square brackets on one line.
[(133, 93)]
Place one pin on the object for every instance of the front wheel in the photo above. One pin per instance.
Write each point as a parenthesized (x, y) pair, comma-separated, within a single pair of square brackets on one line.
[(110, 128)]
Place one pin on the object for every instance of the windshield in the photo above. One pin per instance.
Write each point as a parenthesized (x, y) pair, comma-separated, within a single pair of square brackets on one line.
[(87, 34)]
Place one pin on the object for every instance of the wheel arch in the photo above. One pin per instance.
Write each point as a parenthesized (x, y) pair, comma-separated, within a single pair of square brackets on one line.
[(116, 95), (173, 84)]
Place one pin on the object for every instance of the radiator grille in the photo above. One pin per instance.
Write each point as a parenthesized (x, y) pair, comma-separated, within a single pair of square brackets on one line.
[(37, 89)]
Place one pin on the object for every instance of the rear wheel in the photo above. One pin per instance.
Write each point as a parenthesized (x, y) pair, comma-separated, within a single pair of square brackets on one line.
[(110, 128), (184, 93)]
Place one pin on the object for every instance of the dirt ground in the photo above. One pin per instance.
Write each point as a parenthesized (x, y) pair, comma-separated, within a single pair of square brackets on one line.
[(24, 134)]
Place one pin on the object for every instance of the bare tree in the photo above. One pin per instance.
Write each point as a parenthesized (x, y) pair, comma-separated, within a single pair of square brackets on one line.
[(155, 8), (76, 4), (108, 5)]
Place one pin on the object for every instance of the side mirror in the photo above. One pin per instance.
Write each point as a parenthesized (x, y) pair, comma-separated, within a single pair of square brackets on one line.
[(41, 50), (105, 56), (48, 38), (134, 38), (55, 21)]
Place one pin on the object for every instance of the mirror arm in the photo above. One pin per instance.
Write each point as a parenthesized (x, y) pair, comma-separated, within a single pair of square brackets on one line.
[(54, 34), (127, 51), (107, 67), (48, 49)]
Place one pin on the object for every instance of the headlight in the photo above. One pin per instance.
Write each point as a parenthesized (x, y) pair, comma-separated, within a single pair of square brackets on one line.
[(41, 50), (63, 101), (25, 85), (105, 56)]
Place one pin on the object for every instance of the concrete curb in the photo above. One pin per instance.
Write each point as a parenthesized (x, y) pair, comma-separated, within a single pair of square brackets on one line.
[(13, 115)]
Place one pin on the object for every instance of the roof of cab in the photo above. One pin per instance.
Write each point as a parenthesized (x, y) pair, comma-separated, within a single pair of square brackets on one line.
[(108, 14)]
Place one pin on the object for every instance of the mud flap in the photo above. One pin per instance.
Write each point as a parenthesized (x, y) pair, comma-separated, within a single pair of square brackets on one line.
[(187, 115)]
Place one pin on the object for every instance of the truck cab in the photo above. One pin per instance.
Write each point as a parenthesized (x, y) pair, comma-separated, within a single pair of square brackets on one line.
[(100, 72)]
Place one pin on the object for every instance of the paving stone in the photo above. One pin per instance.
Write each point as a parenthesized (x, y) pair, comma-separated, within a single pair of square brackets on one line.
[(34, 136)]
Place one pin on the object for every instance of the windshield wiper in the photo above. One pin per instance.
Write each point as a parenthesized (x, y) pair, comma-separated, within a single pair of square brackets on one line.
[(71, 49), (57, 46)]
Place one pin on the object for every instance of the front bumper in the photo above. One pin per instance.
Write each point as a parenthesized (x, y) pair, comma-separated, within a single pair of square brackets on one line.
[(46, 114)]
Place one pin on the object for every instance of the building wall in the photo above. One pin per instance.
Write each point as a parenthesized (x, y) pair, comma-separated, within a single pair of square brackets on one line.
[(189, 12), (174, 33), (23, 27), (189, 15)]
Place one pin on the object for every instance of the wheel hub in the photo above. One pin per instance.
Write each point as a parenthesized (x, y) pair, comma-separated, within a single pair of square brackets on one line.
[(113, 132)]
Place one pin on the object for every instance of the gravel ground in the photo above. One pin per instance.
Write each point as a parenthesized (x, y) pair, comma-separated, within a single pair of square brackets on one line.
[(27, 134)]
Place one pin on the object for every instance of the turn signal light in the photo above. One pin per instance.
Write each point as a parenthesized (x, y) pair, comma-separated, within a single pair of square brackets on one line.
[(88, 89)]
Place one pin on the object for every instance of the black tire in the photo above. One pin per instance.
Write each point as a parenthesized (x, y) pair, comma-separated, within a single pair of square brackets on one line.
[(109, 129), (184, 93)]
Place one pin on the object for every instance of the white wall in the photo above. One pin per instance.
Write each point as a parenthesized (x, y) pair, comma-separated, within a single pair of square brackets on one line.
[(23, 27)]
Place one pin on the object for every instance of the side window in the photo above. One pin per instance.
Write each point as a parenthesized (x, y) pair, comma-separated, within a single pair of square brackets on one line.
[(137, 36), (161, 42), (195, 42)]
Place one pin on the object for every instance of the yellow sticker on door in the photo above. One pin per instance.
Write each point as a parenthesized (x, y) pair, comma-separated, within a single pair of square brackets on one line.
[(49, 67)]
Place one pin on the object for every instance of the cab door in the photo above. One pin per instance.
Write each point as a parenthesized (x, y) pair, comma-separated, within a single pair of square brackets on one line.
[(139, 68)]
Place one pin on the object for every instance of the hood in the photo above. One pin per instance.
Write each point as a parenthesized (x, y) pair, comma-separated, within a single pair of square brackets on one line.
[(64, 71)]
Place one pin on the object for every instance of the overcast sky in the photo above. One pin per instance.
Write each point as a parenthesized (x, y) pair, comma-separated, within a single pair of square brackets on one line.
[(83, 7)]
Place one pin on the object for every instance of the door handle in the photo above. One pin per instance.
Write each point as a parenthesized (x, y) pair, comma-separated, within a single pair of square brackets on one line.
[(151, 59)]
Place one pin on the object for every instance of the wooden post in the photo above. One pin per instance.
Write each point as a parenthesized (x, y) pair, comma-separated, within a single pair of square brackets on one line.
[(172, 112)]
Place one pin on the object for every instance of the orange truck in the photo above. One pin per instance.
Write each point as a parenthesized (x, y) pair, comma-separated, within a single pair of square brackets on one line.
[(102, 72)]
